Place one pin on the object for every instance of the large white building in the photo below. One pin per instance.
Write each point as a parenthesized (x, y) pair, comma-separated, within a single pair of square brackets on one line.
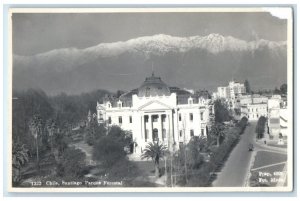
[(231, 92), (156, 112)]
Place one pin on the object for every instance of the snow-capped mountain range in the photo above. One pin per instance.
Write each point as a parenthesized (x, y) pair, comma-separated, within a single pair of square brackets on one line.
[(161, 44), (156, 46)]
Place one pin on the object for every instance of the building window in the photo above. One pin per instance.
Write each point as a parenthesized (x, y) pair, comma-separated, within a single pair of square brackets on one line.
[(179, 118), (202, 132), (120, 119), (164, 132), (201, 116), (180, 133), (155, 134), (192, 133), (191, 117), (190, 101), (146, 119), (101, 116), (130, 119), (109, 120)]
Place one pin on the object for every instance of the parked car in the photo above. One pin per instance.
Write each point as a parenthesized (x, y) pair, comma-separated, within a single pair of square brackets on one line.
[(251, 147)]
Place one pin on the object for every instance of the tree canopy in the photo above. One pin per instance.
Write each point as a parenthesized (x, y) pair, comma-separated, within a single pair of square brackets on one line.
[(221, 111), (247, 86)]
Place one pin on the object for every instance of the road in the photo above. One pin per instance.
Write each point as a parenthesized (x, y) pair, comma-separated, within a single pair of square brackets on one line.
[(237, 166)]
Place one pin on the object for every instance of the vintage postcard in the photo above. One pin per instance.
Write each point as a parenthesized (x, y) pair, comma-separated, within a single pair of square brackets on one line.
[(151, 100)]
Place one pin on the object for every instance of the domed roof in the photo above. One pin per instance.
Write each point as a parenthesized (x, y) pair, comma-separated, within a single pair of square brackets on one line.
[(153, 86)]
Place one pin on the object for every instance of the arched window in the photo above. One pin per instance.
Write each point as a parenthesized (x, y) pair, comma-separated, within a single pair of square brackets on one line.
[(155, 134)]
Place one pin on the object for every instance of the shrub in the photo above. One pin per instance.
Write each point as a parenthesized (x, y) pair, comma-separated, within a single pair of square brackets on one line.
[(71, 164), (108, 151)]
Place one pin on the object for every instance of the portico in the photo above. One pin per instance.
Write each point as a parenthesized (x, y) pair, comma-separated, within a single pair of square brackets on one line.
[(157, 126)]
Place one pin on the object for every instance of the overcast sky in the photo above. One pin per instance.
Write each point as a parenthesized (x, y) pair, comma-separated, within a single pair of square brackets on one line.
[(37, 33)]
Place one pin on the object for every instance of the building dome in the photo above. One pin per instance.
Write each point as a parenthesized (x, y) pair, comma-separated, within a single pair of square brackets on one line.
[(153, 86)]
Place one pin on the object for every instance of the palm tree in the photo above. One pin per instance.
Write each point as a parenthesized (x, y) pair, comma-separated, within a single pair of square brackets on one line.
[(154, 151), (19, 158), (51, 127), (217, 131), (36, 128)]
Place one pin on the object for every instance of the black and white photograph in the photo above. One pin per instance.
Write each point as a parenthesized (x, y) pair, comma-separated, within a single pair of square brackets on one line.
[(151, 100)]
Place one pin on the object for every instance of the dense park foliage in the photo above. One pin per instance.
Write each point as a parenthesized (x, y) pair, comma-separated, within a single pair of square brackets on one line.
[(43, 133), (196, 162)]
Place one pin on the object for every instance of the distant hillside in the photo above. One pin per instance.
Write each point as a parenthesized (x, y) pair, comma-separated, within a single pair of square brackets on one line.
[(192, 62)]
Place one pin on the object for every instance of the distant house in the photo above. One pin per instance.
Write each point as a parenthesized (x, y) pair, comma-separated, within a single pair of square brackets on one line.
[(254, 110)]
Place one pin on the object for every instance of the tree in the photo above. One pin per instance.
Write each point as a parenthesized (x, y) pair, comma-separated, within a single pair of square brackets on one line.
[(221, 111), (94, 131), (20, 157), (108, 150), (260, 127), (71, 164), (124, 137), (247, 87), (155, 152), (51, 128), (194, 149), (283, 89), (217, 132), (276, 91), (36, 129), (60, 144)]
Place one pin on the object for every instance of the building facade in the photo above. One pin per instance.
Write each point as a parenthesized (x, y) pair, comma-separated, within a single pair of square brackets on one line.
[(254, 111), (231, 92), (155, 112), (277, 117)]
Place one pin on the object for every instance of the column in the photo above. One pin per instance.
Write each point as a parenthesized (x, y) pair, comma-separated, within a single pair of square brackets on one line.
[(172, 128), (143, 127), (150, 127), (168, 130), (160, 136)]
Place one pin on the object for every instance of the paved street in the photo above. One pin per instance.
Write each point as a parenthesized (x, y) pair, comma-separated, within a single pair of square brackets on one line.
[(235, 171)]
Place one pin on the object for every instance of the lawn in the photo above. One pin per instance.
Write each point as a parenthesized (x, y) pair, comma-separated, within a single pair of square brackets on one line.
[(255, 176), (267, 158)]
